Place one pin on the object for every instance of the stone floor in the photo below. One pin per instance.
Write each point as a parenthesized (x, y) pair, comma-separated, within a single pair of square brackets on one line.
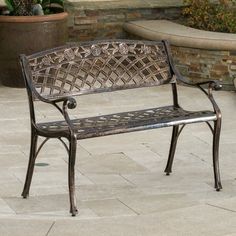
[(120, 184)]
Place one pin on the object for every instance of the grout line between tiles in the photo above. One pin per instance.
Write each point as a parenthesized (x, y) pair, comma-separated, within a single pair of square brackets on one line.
[(223, 208), (50, 228)]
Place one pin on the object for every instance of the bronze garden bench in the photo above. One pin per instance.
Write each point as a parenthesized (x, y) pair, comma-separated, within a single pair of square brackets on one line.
[(56, 76)]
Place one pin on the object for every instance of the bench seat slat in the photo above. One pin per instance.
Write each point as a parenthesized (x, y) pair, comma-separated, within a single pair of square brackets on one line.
[(129, 121)]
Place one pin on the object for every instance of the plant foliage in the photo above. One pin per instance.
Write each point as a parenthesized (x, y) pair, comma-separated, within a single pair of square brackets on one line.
[(213, 16), (25, 7)]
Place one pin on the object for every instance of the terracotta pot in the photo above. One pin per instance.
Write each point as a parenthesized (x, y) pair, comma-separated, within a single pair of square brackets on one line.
[(27, 34)]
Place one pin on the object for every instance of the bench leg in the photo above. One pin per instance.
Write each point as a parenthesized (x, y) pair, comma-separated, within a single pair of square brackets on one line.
[(216, 140), (174, 139), (30, 170), (71, 176)]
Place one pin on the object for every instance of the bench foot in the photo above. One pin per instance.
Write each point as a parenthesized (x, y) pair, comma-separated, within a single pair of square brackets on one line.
[(74, 212), (167, 172), (218, 187), (25, 195)]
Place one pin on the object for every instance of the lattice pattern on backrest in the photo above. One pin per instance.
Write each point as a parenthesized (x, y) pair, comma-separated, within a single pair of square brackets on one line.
[(99, 66)]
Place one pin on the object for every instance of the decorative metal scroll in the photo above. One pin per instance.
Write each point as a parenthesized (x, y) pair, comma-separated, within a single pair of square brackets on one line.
[(80, 69)]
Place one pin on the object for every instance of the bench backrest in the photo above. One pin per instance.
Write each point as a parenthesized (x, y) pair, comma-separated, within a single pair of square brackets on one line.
[(97, 66)]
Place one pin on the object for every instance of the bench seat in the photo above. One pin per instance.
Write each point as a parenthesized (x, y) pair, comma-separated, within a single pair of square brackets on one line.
[(129, 121)]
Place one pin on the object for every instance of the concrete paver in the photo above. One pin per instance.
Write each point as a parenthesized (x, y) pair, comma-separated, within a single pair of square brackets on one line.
[(196, 220), (120, 184)]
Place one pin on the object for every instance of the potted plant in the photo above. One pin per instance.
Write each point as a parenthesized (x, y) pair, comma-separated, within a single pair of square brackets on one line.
[(28, 26)]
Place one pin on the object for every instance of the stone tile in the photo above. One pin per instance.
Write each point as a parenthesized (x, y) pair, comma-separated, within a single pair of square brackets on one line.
[(83, 213), (208, 195), (12, 94), (108, 207), (14, 125), (81, 152), (50, 176), (227, 136), (92, 192), (34, 204), (11, 160), (6, 149), (7, 177), (20, 227), (82, 179), (184, 172), (18, 107), (227, 150), (145, 157), (52, 148), (47, 206), (123, 142), (11, 188), (173, 186), (45, 178), (146, 179), (228, 204), (42, 190), (4, 208), (15, 138), (193, 221), (108, 179), (158, 203), (184, 146), (112, 163), (98, 146)]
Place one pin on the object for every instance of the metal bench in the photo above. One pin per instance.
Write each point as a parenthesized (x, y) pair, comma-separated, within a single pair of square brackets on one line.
[(56, 76)]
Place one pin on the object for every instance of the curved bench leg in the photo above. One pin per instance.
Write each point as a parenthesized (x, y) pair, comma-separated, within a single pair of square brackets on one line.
[(30, 170), (174, 139), (216, 140), (71, 176)]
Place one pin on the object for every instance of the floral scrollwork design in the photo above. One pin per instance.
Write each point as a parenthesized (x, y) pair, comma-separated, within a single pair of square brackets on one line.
[(96, 50), (47, 61), (123, 48), (69, 54), (146, 49)]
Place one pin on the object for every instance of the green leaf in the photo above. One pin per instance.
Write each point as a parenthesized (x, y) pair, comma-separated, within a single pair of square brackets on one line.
[(10, 5)]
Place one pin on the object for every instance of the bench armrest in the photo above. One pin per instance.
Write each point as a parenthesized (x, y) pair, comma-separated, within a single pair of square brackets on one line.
[(214, 84), (67, 103), (63, 104)]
